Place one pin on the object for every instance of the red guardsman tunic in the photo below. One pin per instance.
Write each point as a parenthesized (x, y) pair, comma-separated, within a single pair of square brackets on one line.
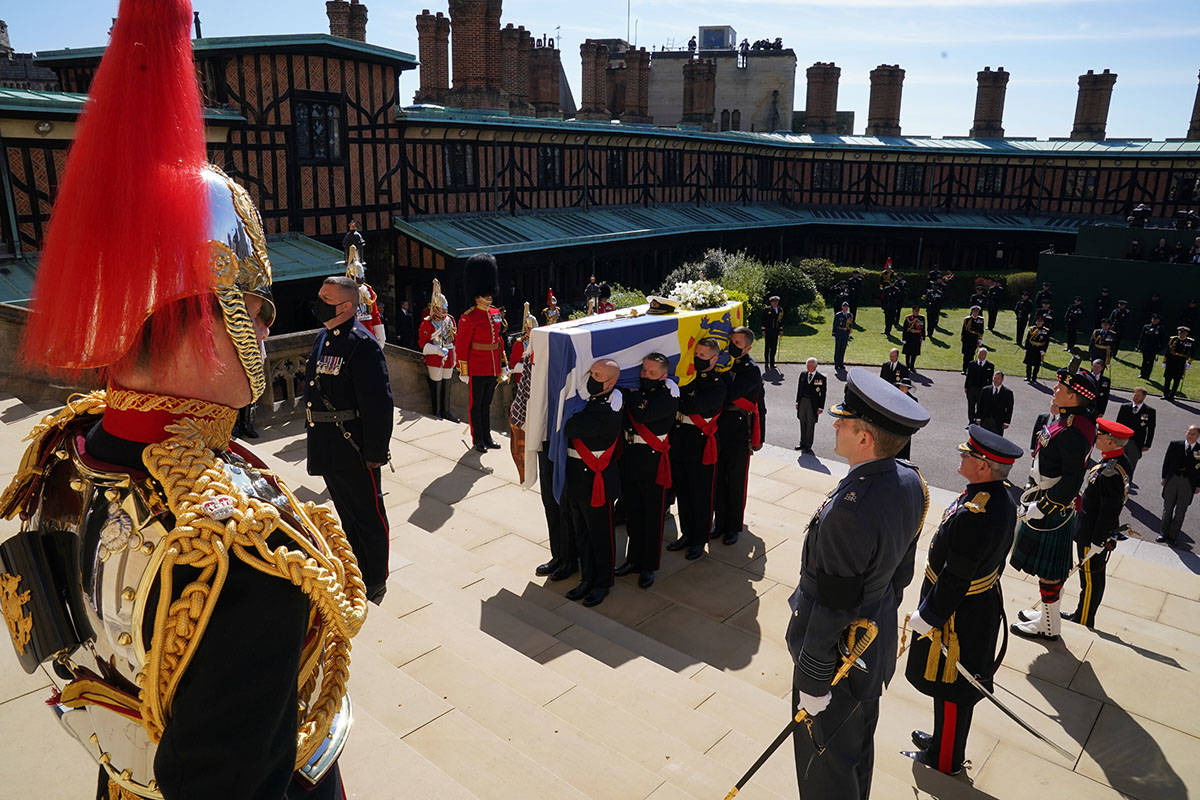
[(480, 346)]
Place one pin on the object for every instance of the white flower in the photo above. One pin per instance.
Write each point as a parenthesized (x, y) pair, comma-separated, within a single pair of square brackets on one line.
[(693, 295)]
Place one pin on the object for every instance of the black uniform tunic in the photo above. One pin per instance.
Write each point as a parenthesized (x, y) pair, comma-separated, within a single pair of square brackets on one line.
[(734, 430), (596, 426), (642, 496), (1105, 491), (347, 374), (693, 479)]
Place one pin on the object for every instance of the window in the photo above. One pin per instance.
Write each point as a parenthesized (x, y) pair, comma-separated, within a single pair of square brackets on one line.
[(618, 162), (827, 175), (319, 130), (735, 120), (766, 176), (1184, 187), (1080, 184), (458, 159), (672, 168), (550, 167), (720, 169), (725, 119), (989, 180), (910, 179)]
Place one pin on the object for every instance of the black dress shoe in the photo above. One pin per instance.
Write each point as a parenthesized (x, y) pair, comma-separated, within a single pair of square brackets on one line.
[(250, 433), (694, 552), (480, 448), (564, 571), (1166, 539), (491, 445), (451, 418), (922, 739), (547, 568), (713, 534), (579, 591), (677, 545), (1069, 617), (625, 569), (730, 538), (375, 593), (595, 597), (798, 447), (646, 579)]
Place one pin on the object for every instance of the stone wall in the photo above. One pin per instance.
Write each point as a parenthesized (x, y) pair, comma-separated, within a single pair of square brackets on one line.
[(763, 91)]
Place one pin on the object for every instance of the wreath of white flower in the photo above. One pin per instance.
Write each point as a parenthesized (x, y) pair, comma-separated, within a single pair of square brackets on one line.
[(693, 295)]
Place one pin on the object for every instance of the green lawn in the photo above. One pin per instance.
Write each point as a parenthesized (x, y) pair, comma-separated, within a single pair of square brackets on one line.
[(869, 347)]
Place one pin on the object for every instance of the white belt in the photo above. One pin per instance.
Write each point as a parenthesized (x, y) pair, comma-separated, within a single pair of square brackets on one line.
[(684, 418), (595, 453), (637, 439)]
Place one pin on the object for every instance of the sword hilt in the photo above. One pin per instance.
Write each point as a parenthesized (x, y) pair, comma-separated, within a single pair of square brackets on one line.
[(859, 636)]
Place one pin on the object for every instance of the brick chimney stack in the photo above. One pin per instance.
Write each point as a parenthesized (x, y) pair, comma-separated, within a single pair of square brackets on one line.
[(637, 86), (699, 92), (475, 55), (357, 22), (338, 12), (820, 113), (989, 104), (515, 44), (883, 113), (1194, 128), (544, 68), (593, 100), (1091, 109), (433, 43)]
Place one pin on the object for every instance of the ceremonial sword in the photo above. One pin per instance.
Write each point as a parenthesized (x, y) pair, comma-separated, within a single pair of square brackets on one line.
[(1095, 550), (856, 645), (996, 701)]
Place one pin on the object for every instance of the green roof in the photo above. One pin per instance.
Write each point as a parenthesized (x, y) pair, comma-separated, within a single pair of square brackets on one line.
[(306, 43), (293, 257), (953, 145), (27, 102), (460, 236)]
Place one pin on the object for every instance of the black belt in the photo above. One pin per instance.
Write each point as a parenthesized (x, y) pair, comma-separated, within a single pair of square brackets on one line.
[(330, 416)]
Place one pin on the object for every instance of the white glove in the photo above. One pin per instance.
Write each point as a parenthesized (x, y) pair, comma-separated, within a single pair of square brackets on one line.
[(814, 705), (463, 378), (918, 624), (1029, 511)]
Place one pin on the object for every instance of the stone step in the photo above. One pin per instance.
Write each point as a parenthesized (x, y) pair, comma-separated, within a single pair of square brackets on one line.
[(376, 763)]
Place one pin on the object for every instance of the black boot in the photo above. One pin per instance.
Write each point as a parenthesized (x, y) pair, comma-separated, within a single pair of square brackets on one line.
[(444, 389), (433, 396)]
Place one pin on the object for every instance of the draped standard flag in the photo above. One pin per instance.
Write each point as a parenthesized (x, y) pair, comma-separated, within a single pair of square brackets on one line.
[(563, 354)]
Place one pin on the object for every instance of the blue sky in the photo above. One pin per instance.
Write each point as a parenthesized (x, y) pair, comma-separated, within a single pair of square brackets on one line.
[(1153, 46)]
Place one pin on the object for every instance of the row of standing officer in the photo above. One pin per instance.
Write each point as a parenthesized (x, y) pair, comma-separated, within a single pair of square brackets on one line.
[(647, 445)]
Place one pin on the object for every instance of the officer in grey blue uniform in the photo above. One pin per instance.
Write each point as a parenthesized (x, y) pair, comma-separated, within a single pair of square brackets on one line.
[(858, 557), (348, 419)]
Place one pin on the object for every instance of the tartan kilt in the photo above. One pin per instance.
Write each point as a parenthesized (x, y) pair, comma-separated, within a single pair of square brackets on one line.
[(1045, 553)]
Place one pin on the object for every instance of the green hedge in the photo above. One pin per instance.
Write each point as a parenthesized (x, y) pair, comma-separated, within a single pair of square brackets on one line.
[(962, 285)]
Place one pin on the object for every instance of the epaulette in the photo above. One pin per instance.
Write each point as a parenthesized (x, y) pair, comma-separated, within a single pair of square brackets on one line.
[(978, 503)]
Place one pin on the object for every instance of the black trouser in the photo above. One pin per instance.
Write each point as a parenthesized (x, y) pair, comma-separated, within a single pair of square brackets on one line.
[(1072, 337), (733, 471), (807, 414), (1022, 323), (1091, 584), (693, 484), (482, 389), (951, 724), (973, 402), (935, 316), (645, 504), (358, 498), (591, 525), (991, 315), (847, 731), (1031, 371), (558, 524), (1147, 365), (967, 357), (770, 348), (1171, 385), (910, 361)]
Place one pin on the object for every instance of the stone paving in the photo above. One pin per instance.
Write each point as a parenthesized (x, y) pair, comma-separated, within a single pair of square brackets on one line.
[(477, 680)]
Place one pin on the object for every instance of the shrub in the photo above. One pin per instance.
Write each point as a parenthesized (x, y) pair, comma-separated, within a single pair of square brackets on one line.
[(796, 288), (821, 270), (625, 298), (681, 274)]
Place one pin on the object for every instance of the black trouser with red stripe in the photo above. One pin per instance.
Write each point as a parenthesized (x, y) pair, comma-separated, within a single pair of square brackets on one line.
[(951, 724), (733, 471), (591, 525), (482, 389), (693, 483), (1091, 584), (357, 496), (645, 504)]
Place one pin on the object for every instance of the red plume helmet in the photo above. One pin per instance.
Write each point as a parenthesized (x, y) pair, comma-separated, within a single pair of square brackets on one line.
[(127, 237)]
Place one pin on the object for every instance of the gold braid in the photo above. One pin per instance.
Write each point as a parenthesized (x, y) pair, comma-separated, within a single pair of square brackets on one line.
[(325, 570)]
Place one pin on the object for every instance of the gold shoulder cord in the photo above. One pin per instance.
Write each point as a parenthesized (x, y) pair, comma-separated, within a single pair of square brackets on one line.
[(189, 473)]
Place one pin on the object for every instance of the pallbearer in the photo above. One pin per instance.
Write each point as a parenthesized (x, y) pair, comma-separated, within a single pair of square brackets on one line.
[(646, 466), (1105, 491), (740, 430), (961, 604)]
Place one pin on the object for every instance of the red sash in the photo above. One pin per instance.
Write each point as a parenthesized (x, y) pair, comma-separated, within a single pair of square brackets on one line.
[(755, 429), (661, 446), (709, 429), (596, 465)]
